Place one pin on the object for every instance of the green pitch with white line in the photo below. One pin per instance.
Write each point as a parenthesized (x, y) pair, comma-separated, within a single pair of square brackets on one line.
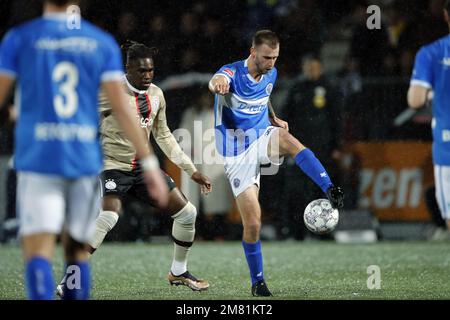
[(293, 270)]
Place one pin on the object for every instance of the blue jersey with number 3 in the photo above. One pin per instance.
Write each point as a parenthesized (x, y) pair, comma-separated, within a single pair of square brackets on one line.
[(58, 70), (432, 71)]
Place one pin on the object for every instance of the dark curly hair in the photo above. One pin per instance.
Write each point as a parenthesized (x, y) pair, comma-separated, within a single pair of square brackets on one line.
[(135, 50)]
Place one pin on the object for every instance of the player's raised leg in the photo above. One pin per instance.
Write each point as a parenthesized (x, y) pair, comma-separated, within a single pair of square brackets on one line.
[(282, 143), (184, 216), (250, 210)]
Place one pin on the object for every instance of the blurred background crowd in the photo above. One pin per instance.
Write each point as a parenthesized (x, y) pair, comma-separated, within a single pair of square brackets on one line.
[(339, 83)]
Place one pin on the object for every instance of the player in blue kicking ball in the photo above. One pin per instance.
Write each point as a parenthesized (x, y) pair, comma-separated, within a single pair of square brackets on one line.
[(248, 134)]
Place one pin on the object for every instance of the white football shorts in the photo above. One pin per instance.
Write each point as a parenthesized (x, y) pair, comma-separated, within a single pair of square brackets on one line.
[(244, 170), (442, 183), (49, 204)]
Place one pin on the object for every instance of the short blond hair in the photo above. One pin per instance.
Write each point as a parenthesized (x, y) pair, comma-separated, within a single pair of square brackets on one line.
[(265, 37)]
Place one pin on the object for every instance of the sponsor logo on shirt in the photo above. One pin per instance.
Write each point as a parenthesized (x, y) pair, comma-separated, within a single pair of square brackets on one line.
[(252, 108), (144, 122), (70, 44), (229, 72)]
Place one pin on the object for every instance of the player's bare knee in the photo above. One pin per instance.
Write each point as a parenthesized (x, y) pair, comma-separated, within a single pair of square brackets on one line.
[(251, 236), (74, 250), (112, 203), (39, 245), (177, 202), (289, 145), (252, 228)]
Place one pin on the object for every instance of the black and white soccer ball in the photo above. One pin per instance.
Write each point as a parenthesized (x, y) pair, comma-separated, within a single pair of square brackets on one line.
[(320, 217)]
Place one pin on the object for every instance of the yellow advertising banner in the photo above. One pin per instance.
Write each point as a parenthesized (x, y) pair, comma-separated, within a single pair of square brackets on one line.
[(393, 177)]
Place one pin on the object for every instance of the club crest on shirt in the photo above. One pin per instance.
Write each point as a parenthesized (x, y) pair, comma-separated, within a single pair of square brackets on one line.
[(110, 184), (269, 88)]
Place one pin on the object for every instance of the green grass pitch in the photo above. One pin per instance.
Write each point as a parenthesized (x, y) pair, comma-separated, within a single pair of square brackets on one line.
[(293, 271)]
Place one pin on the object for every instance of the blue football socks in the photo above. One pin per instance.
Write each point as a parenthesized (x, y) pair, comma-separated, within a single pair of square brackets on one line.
[(311, 166), (254, 257), (39, 279), (78, 281)]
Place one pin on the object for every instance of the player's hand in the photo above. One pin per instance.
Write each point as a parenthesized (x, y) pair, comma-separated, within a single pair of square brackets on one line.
[(157, 187), (12, 114), (336, 197), (280, 123), (221, 87), (203, 181)]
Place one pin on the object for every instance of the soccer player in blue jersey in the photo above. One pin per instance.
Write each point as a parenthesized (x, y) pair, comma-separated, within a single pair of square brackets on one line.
[(248, 134), (431, 78), (58, 156)]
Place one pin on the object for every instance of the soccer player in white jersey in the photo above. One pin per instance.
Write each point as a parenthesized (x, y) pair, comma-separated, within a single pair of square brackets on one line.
[(431, 78), (249, 134), (59, 68)]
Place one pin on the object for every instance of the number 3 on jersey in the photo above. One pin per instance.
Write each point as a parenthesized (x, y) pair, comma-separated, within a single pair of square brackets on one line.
[(66, 102)]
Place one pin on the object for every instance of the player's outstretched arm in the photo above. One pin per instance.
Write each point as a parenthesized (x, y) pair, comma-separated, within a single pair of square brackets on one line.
[(169, 145), (219, 84), (274, 120), (418, 96), (156, 185), (6, 114), (6, 84)]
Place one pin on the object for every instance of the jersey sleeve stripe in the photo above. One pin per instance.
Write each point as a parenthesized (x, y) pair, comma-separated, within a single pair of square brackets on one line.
[(421, 83), (112, 76), (8, 73)]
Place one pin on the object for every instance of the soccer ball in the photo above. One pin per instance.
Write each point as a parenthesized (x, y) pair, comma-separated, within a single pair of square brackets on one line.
[(320, 217)]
